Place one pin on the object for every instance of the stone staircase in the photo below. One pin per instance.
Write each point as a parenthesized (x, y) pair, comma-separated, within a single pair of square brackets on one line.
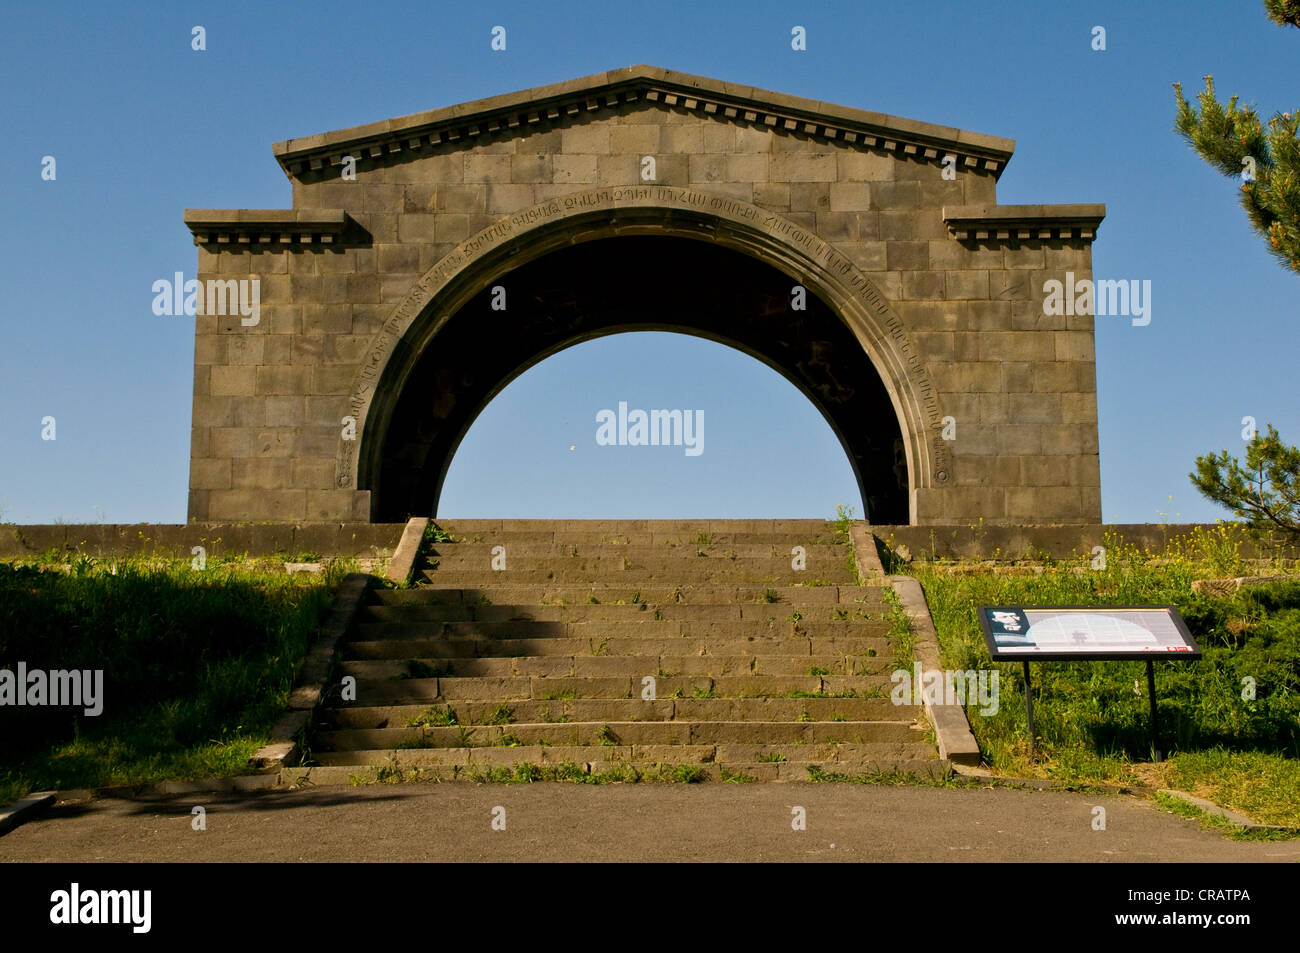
[(639, 649)]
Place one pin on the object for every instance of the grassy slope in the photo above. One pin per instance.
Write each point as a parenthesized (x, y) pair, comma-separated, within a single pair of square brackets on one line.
[(1092, 720), (197, 665)]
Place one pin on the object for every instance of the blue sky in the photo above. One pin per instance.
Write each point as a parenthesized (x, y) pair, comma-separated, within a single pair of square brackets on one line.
[(143, 127)]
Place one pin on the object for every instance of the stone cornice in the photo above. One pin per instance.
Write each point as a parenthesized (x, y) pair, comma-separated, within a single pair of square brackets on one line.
[(544, 105), (273, 227), (1023, 222)]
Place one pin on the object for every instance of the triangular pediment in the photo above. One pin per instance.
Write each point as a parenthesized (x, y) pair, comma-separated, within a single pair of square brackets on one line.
[(635, 87)]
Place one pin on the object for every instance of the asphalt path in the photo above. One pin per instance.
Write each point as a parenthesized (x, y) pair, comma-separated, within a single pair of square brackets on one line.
[(463, 821)]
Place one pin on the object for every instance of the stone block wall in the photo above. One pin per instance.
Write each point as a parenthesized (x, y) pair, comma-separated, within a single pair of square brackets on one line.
[(965, 276)]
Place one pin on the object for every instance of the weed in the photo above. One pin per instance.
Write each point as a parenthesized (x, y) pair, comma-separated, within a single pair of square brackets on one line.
[(735, 777), (416, 741), (685, 774), (843, 520), (434, 717), (418, 668)]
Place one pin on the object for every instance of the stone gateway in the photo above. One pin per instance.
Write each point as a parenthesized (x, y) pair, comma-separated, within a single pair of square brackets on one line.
[(429, 260)]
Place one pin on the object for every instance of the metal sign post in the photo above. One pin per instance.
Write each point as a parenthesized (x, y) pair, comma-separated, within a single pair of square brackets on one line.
[(1029, 711), (1155, 717)]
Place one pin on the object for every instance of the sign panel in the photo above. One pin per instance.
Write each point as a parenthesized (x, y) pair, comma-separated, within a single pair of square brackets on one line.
[(1085, 632)]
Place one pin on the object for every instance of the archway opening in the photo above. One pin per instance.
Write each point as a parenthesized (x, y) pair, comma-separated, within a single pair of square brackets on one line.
[(706, 432), (633, 283)]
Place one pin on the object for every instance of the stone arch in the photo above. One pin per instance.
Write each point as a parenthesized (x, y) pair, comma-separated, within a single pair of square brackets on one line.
[(515, 240)]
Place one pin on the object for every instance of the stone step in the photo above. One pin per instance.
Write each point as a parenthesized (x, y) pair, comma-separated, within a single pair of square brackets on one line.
[(668, 549), (570, 527), (513, 594), (627, 710), (614, 612), (718, 573), (540, 688), (482, 556), (618, 771), (609, 666), (406, 622), (649, 539), (759, 671), (830, 756), (469, 648), (577, 734), (616, 568)]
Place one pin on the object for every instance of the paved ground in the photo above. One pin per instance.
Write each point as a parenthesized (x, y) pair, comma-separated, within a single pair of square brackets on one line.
[(568, 822)]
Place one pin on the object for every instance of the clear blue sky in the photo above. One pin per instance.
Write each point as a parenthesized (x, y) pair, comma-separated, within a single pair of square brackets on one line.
[(143, 127)]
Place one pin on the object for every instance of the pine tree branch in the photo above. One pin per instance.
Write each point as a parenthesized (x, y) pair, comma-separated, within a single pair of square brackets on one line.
[(1283, 12)]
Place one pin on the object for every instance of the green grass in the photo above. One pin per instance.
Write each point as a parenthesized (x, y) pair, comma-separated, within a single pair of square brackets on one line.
[(612, 773), (197, 664), (888, 778), (417, 668), (843, 520), (900, 636), (569, 694), (433, 533), (1213, 822), (1091, 723), (434, 717), (735, 777), (1262, 786), (418, 741)]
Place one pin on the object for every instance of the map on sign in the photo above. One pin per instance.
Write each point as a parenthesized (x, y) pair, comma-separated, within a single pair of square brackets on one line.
[(1061, 632)]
